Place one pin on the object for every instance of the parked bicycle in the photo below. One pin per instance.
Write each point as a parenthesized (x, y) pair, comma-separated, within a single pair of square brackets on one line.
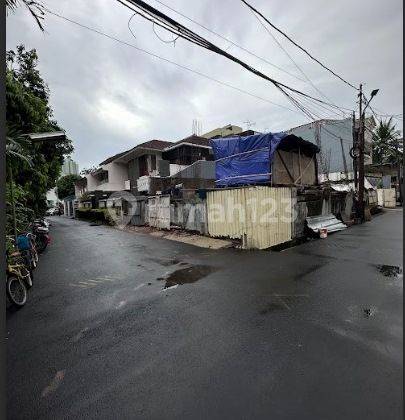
[(15, 287), (18, 279)]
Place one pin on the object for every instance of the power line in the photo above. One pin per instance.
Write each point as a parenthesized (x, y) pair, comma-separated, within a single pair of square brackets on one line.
[(155, 16), (307, 113), (321, 108), (231, 42), (166, 22), (170, 61), (288, 55), (297, 45)]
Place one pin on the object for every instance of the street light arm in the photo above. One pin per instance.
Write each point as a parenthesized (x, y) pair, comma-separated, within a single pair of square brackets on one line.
[(373, 93)]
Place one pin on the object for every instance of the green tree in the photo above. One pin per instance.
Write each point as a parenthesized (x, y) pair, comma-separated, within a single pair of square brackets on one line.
[(28, 111), (387, 144), (65, 186)]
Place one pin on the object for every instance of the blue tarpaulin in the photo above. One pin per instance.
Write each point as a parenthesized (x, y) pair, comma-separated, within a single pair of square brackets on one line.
[(244, 160)]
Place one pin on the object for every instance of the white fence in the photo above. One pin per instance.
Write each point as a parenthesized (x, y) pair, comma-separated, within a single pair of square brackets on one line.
[(159, 211)]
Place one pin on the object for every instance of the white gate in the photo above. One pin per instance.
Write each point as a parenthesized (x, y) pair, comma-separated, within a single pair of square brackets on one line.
[(159, 211)]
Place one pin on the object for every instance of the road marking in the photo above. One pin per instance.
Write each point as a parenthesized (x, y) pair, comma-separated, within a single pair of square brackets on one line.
[(139, 286), (282, 301), (85, 284), (121, 304), (170, 287), (80, 335), (60, 374)]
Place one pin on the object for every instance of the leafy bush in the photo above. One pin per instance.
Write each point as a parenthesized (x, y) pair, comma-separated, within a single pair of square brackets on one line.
[(95, 215)]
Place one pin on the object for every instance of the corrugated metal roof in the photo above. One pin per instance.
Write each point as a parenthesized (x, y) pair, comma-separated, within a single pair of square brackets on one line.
[(349, 186), (203, 169), (328, 221)]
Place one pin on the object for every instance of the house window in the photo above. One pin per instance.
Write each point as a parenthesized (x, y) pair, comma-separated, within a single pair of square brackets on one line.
[(143, 166), (153, 162), (103, 177)]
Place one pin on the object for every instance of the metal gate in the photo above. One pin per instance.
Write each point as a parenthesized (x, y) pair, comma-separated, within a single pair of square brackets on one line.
[(260, 216)]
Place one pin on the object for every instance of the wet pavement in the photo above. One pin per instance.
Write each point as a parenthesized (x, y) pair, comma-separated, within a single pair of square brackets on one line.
[(125, 326)]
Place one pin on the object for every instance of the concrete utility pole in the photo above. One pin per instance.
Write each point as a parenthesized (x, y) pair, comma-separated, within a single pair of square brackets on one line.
[(355, 140), (344, 159), (361, 157), (398, 159)]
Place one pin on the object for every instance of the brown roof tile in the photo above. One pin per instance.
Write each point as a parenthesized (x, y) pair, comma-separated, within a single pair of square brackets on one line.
[(194, 139), (154, 144), (151, 144)]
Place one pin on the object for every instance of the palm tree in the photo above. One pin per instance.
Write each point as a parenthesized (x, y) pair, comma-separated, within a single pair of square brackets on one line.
[(16, 146), (387, 145), (16, 150), (36, 8)]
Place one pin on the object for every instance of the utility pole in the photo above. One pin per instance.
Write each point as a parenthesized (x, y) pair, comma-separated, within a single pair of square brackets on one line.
[(398, 159), (344, 159), (361, 157), (355, 142)]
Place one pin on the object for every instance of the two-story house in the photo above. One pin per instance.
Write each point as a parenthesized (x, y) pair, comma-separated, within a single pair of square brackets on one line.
[(134, 170), (158, 159), (121, 171)]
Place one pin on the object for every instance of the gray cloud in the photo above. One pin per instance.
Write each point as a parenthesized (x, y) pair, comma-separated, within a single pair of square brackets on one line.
[(110, 97)]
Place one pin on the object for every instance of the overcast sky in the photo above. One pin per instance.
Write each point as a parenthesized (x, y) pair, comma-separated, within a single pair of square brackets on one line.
[(110, 97)]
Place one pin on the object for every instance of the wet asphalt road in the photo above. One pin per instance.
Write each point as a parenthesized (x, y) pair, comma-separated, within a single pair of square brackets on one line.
[(313, 332)]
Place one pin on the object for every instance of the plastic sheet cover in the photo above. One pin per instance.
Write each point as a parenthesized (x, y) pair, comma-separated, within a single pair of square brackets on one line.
[(244, 160)]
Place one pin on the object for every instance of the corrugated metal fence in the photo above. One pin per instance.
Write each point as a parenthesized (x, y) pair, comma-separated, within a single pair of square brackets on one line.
[(261, 216)]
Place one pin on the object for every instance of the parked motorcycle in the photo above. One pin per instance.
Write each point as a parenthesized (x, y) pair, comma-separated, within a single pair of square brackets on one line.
[(42, 237), (42, 222)]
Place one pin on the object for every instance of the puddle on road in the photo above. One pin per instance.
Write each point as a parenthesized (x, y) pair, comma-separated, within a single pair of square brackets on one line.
[(368, 312), (166, 262), (389, 270), (357, 312), (282, 303), (187, 275)]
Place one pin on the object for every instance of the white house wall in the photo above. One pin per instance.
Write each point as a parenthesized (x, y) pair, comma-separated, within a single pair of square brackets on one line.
[(117, 175), (91, 182)]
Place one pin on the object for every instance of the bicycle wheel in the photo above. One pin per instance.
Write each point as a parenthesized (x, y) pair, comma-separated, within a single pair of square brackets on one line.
[(16, 291)]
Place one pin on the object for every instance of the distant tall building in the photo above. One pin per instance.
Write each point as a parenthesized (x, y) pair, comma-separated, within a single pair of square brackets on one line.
[(70, 167)]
